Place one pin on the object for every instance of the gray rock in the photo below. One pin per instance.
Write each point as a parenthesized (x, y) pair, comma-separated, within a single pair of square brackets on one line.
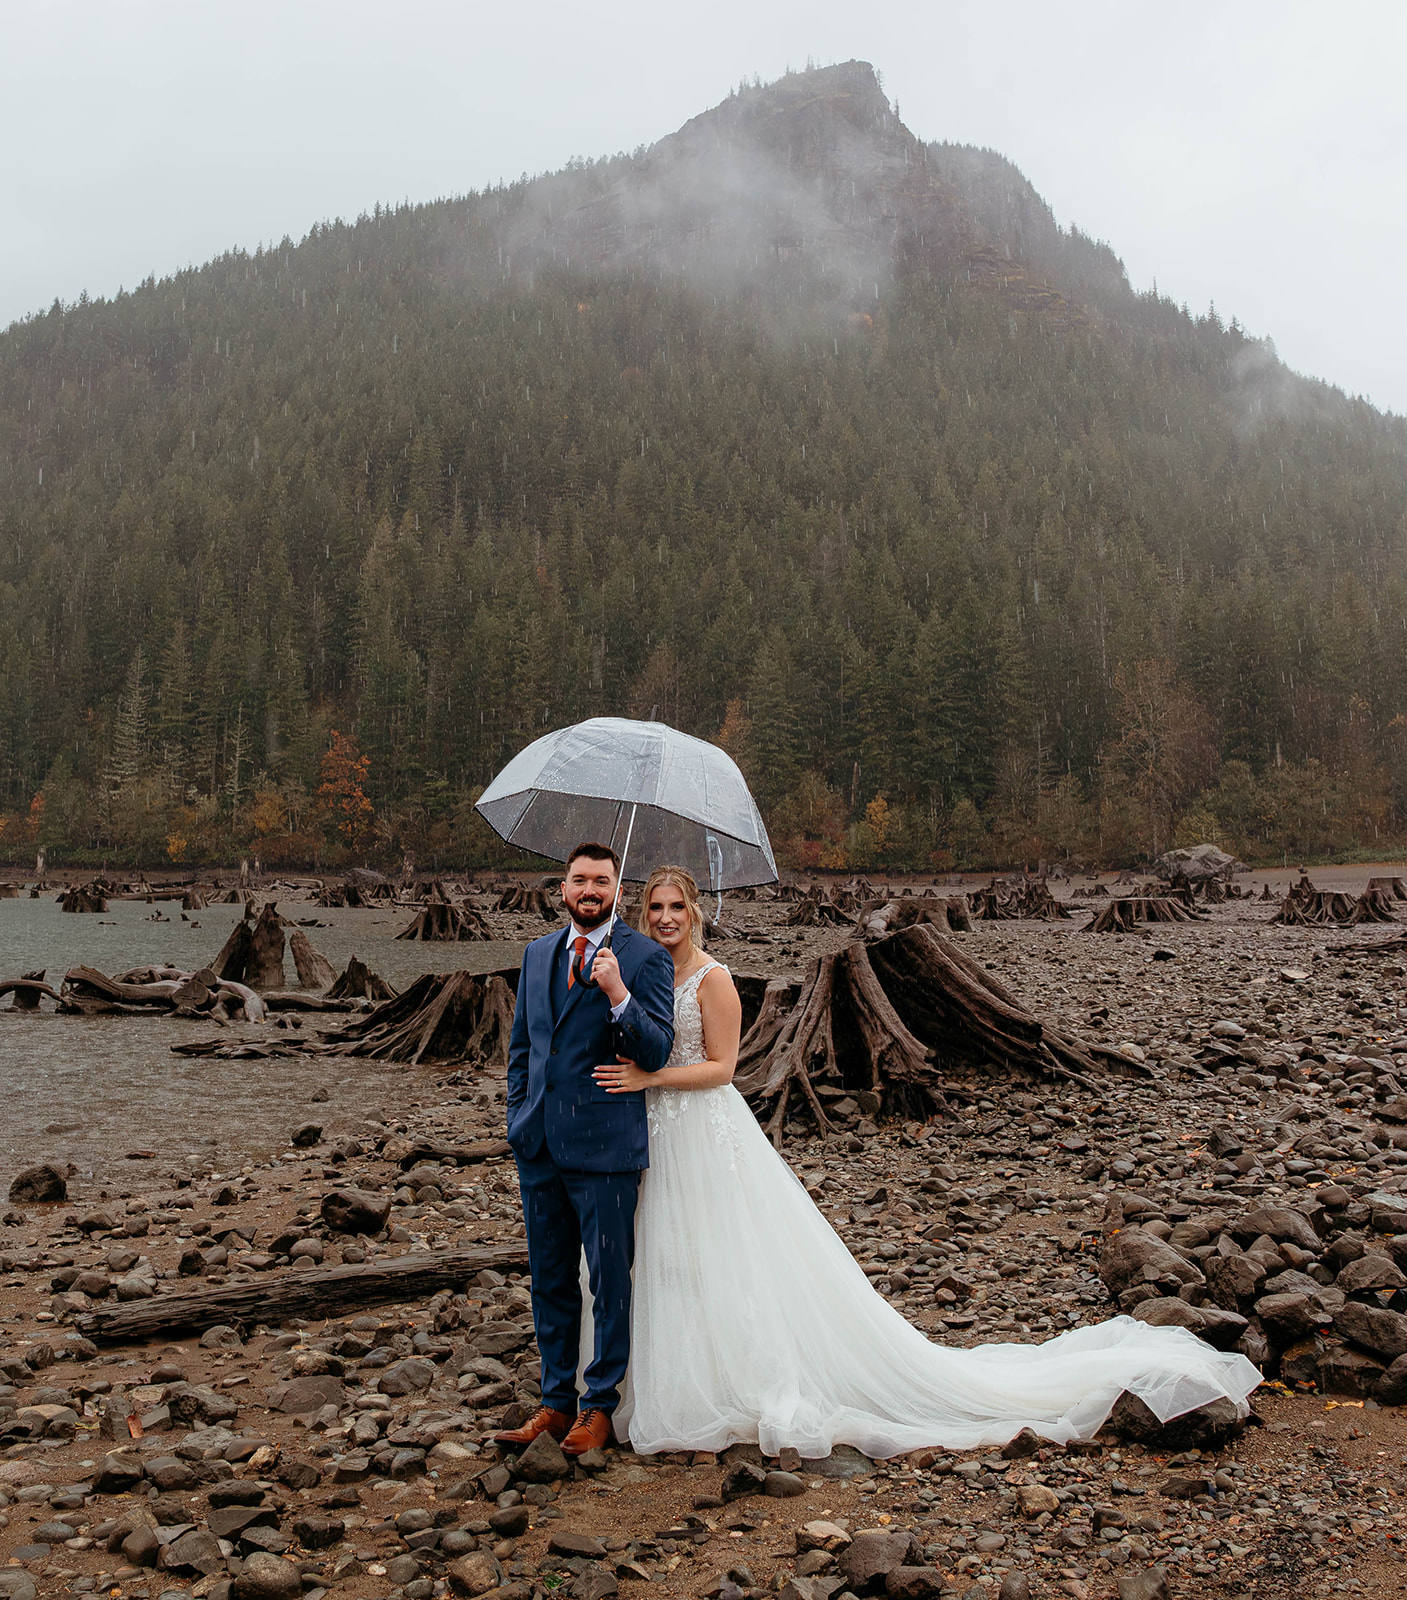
[(913, 1583), (783, 1485), (1150, 1584), (196, 1551), (355, 1211), (1348, 1371), (267, 1577), (475, 1574), (1377, 1329), (39, 1184), (301, 1395), (871, 1556), (221, 1337), (1370, 1272), (1278, 1223), (1207, 1428), (742, 1479), (1132, 1258), (843, 1462), (407, 1377), (1287, 1318), (306, 1136), (803, 1586), (542, 1461), (1234, 1282)]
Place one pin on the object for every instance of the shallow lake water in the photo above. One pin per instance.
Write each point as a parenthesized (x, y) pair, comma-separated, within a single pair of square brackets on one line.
[(98, 1091)]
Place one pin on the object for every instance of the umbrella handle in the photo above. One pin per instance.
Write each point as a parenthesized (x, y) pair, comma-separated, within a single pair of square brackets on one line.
[(577, 975)]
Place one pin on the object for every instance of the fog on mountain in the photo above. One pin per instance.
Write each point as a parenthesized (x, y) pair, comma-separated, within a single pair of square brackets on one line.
[(792, 429)]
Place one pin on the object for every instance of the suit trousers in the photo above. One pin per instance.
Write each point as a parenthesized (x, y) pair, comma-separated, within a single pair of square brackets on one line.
[(566, 1213)]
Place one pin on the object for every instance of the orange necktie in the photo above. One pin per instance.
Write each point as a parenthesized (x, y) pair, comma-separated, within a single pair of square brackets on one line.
[(579, 945)]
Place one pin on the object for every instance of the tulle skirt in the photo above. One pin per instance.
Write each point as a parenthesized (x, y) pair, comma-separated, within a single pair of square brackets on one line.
[(751, 1321)]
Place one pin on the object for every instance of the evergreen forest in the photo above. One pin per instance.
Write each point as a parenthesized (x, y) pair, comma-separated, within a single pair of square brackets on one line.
[(793, 430)]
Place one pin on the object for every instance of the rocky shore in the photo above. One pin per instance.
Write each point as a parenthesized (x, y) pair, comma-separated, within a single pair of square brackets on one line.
[(1254, 1189)]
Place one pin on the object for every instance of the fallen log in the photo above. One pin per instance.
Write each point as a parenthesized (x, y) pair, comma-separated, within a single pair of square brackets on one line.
[(293, 1000), (314, 970), (461, 1155), (320, 1291), (879, 917)]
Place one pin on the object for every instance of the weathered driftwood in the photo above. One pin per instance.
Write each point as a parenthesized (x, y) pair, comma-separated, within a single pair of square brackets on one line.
[(1123, 915), (321, 1291), (359, 982), (442, 921), (454, 1016), (462, 1155), (885, 1017), (879, 917), (293, 1000), (314, 970), (27, 989)]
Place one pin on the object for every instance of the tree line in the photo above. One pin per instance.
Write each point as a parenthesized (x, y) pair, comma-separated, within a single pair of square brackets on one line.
[(959, 583)]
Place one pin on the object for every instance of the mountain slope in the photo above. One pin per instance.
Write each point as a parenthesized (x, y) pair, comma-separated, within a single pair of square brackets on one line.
[(790, 409)]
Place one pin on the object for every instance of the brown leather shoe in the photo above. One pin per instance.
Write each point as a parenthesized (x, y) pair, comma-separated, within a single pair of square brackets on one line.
[(544, 1420), (590, 1431)]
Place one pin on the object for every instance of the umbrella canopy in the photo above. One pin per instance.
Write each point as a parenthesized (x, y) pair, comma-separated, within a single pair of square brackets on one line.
[(676, 798)]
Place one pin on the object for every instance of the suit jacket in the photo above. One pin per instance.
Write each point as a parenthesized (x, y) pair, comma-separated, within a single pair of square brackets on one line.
[(559, 1036)]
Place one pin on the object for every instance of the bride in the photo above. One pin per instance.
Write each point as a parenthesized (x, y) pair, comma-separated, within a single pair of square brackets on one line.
[(751, 1320)]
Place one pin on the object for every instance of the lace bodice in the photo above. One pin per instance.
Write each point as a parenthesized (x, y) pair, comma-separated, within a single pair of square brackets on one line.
[(688, 1019), (665, 1107)]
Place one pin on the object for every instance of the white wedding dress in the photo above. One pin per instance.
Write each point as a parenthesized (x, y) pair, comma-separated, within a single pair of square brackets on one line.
[(752, 1321)]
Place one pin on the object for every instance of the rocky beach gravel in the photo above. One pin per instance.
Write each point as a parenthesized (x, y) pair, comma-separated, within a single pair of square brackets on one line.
[(1254, 1190)]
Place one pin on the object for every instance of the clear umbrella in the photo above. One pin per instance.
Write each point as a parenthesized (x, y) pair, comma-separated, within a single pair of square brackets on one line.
[(650, 792)]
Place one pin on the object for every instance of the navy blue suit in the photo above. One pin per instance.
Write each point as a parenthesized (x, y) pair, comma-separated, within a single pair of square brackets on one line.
[(580, 1150)]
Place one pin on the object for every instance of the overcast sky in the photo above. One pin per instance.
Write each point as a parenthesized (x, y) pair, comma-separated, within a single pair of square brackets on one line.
[(1251, 154)]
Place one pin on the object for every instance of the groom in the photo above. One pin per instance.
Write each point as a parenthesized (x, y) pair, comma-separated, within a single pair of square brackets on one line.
[(580, 1150)]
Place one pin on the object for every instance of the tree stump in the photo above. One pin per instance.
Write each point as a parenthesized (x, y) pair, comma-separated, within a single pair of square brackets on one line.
[(538, 900), (359, 982), (86, 897), (192, 900), (314, 970), (1304, 905), (441, 921), (886, 1017), (1123, 915), (266, 950), (818, 910), (442, 1017)]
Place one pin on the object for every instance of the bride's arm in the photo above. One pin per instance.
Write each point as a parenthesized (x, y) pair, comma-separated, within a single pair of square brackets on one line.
[(722, 1014)]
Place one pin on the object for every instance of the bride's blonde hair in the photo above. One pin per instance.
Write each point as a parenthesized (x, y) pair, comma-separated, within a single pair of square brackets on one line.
[(684, 882)]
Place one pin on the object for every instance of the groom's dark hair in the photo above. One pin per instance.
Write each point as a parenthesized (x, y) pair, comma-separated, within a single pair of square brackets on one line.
[(594, 852)]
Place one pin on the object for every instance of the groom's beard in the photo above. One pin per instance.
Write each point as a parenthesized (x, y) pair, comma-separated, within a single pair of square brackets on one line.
[(590, 918)]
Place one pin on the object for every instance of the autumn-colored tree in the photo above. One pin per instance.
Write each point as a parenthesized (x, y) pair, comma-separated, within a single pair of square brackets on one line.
[(36, 817), (342, 802)]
